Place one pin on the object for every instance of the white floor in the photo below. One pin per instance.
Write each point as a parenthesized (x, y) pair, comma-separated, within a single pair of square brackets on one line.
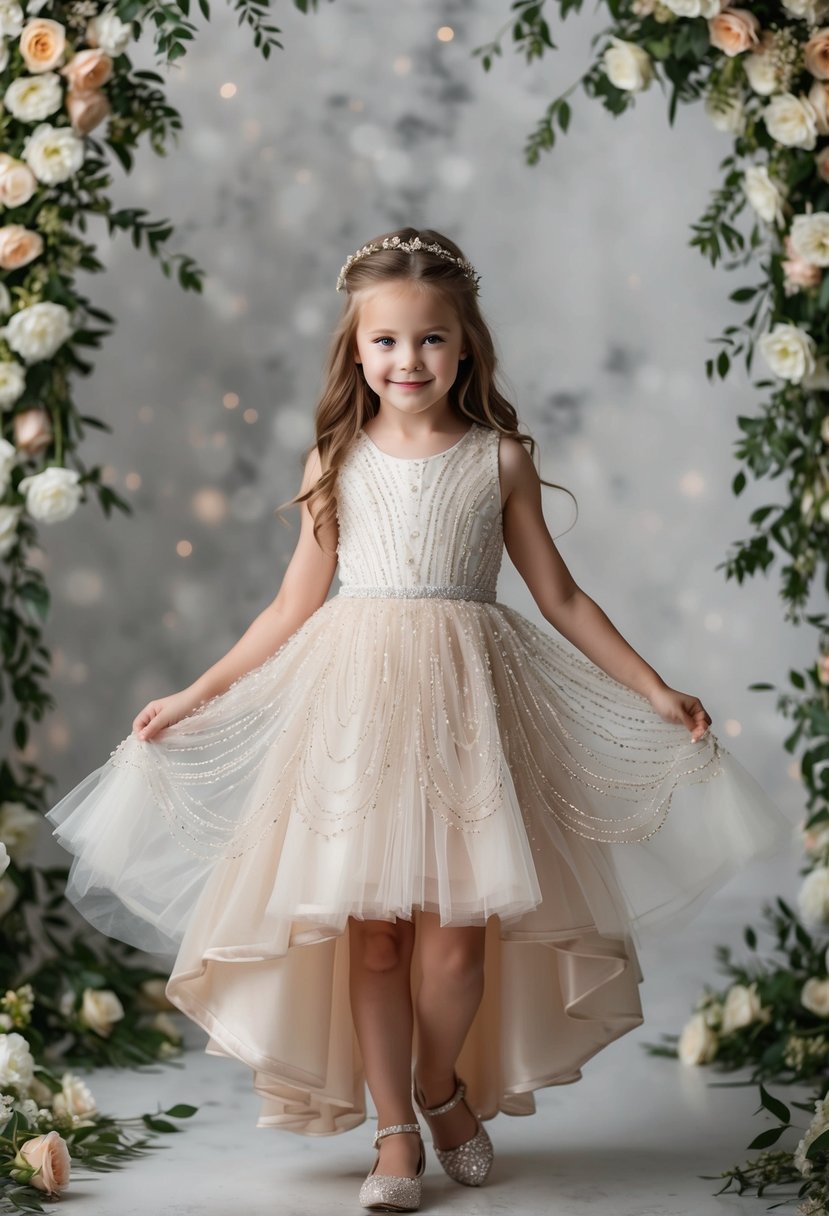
[(630, 1139)]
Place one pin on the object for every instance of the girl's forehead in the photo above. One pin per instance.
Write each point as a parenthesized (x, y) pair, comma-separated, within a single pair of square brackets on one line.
[(403, 299)]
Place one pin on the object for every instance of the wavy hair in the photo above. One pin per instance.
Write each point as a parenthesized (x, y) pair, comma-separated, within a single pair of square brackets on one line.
[(347, 401)]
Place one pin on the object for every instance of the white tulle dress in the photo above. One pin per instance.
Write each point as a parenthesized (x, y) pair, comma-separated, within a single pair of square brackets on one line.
[(414, 745)]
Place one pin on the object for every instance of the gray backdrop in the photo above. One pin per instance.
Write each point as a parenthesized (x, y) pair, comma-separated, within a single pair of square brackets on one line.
[(603, 317)]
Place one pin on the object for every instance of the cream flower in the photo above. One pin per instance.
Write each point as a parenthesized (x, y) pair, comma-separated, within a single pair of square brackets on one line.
[(51, 495), (698, 1043), (814, 996), (811, 11), (8, 459), (742, 1007), (5, 300), (19, 825), (38, 331), (8, 894), (33, 431), (74, 1098), (819, 1124), (726, 111), (760, 68), (789, 351), (693, 8), (86, 110), (16, 1064), (813, 898), (88, 70), (798, 273), (11, 19), (17, 182), (100, 1010), (42, 44), (810, 237), (816, 54), (19, 245), (791, 121), (9, 520), (31, 98), (765, 194), (53, 153), (733, 31), (109, 32), (628, 65), (50, 1157), (5, 860), (12, 382), (819, 97)]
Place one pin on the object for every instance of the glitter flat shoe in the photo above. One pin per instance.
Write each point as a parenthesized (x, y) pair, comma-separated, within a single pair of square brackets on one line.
[(468, 1163), (389, 1192)]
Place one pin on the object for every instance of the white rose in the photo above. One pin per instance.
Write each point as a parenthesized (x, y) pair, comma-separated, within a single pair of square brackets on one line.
[(74, 1097), (697, 1043), (5, 860), (108, 32), (9, 520), (792, 121), (53, 153), (813, 899), (11, 19), (761, 71), (16, 1064), (8, 895), (824, 429), (764, 194), (100, 1009), (39, 1092), (814, 996), (726, 111), (12, 382), (66, 1003), (51, 495), (742, 1007), (19, 826), (38, 331), (811, 11), (30, 98), (164, 1023), (810, 237), (789, 351), (693, 8), (627, 65), (819, 1124), (8, 459), (5, 300)]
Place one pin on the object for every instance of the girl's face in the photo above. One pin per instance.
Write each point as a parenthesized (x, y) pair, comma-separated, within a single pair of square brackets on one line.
[(408, 335)]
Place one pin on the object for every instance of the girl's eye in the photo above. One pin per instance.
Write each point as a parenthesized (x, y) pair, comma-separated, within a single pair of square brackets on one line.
[(439, 338)]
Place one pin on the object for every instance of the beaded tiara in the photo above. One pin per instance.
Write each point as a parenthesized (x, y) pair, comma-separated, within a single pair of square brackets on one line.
[(411, 246)]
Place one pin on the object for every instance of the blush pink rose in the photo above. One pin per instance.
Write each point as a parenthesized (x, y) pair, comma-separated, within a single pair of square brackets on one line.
[(32, 430), (50, 1156), (734, 30), (816, 54), (799, 273), (17, 182), (42, 44), (822, 163), (86, 110), (823, 668), (18, 245), (88, 70)]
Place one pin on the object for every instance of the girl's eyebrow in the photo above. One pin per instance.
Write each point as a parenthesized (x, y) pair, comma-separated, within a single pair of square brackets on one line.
[(430, 328)]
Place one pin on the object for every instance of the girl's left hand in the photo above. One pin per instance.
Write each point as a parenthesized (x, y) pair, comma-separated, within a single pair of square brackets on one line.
[(682, 708)]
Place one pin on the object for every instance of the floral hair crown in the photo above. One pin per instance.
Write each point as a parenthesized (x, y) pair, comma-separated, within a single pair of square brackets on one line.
[(412, 246)]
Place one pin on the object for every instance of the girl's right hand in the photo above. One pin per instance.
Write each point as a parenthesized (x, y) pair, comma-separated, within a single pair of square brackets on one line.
[(164, 712)]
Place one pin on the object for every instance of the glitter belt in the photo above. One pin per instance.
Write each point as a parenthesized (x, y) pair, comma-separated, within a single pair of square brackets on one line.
[(452, 591)]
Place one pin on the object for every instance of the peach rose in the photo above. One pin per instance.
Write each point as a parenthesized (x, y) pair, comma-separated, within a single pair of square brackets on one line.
[(18, 245), (17, 182), (816, 54), (798, 272), (819, 97), (42, 44), (822, 163), (49, 1155), (86, 110), (734, 30), (87, 70), (32, 430)]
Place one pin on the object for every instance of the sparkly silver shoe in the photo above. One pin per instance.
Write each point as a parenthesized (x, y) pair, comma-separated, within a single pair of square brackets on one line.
[(388, 1192), (469, 1162)]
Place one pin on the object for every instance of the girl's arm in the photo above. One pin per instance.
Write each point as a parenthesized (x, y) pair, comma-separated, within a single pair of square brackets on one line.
[(304, 587), (563, 603)]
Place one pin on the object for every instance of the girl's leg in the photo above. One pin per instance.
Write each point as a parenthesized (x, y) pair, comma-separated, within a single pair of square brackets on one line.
[(381, 1005), (449, 995)]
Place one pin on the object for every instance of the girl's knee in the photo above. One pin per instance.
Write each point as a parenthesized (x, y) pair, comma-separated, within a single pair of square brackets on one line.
[(459, 964), (379, 948)]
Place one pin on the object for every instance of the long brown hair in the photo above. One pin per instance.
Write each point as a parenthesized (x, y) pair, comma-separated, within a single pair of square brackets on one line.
[(347, 401)]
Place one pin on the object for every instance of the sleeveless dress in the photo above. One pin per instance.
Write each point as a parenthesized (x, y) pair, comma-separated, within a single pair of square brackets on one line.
[(414, 746)]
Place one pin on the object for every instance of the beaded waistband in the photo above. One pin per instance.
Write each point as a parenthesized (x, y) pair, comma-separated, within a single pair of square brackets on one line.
[(451, 591)]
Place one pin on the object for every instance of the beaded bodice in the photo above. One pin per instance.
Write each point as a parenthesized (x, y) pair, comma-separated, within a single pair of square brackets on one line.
[(424, 526)]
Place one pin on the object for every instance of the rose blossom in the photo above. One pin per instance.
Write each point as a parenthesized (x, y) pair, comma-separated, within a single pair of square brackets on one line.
[(789, 351), (813, 898), (36, 332), (86, 110), (74, 1098), (810, 237), (798, 272), (693, 8), (100, 1010), (19, 824), (697, 1043), (819, 1124), (9, 519), (17, 182), (12, 382), (108, 32), (32, 431), (11, 19), (742, 1007), (628, 66), (16, 1064), (52, 495), (726, 111), (764, 193), (42, 44), (760, 68), (31, 98), (816, 54), (18, 246), (791, 121), (53, 153), (733, 31), (50, 1157), (88, 70), (814, 996)]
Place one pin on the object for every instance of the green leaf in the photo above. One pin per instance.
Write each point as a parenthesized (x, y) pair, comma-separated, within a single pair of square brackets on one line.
[(777, 1108), (769, 1136)]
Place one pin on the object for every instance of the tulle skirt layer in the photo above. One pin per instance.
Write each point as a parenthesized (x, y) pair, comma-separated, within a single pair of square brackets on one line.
[(397, 757)]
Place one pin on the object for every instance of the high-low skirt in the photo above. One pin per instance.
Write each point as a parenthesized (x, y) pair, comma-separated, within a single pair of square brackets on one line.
[(397, 756)]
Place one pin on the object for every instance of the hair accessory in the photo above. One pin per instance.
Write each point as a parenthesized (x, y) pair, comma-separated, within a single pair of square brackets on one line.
[(411, 246)]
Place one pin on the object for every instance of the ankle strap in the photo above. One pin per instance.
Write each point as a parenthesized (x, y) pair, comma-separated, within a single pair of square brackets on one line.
[(392, 1131), (457, 1096)]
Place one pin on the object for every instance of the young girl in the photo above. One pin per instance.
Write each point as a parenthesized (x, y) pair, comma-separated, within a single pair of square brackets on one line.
[(403, 827)]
